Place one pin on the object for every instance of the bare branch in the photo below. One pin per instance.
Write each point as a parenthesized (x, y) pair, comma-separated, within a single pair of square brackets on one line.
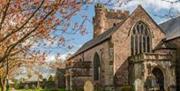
[(4, 14), (11, 47), (8, 35)]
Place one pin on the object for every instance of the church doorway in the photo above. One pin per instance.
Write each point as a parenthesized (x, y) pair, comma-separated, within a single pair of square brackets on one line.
[(159, 78)]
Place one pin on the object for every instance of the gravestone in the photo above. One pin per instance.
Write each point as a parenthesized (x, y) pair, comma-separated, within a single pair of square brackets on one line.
[(88, 86)]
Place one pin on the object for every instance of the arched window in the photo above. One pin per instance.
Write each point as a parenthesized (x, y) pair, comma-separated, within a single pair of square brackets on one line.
[(140, 39), (80, 60), (96, 67)]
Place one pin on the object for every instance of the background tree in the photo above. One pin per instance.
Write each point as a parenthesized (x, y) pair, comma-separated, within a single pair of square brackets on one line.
[(50, 78)]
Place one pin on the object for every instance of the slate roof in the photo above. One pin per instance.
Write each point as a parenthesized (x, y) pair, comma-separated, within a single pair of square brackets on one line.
[(99, 39), (171, 28), (165, 45)]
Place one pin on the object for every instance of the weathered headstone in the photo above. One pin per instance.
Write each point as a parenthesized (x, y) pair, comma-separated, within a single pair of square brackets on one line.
[(88, 86)]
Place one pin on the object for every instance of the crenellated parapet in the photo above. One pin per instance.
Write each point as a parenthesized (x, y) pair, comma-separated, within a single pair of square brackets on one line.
[(98, 5), (104, 18), (117, 14)]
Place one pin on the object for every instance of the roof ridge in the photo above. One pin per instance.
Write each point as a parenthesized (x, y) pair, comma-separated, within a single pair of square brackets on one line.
[(168, 20), (97, 40), (171, 27)]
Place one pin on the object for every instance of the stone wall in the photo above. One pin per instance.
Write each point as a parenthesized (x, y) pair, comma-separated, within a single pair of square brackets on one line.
[(106, 77), (144, 64), (121, 38), (177, 43)]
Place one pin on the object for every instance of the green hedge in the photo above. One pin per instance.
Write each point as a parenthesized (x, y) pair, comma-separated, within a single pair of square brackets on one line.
[(126, 88)]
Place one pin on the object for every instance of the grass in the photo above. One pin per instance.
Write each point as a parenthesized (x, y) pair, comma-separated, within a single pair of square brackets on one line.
[(40, 90)]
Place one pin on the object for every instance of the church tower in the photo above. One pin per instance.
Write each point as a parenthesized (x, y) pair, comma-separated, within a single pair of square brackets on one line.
[(105, 19), (99, 19)]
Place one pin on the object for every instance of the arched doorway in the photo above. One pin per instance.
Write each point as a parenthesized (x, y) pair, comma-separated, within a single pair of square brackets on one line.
[(96, 67), (159, 78)]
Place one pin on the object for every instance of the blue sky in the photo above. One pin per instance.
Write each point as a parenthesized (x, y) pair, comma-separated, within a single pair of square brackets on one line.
[(155, 8)]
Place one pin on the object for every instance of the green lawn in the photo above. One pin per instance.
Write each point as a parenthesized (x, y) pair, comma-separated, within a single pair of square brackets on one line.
[(40, 90)]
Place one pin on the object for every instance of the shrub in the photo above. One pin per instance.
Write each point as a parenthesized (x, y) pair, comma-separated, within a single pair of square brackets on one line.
[(126, 88), (16, 84)]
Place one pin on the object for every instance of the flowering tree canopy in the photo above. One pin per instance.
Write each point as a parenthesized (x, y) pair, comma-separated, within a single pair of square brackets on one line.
[(24, 22)]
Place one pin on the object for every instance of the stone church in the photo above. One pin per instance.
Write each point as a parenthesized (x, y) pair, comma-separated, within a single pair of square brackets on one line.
[(127, 50)]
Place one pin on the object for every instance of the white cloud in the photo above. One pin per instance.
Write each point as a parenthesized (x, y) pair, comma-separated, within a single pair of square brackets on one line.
[(64, 56), (159, 4), (72, 51), (156, 4), (50, 58)]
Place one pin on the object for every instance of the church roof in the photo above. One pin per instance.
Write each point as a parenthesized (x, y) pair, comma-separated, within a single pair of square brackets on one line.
[(99, 39), (171, 28), (165, 45)]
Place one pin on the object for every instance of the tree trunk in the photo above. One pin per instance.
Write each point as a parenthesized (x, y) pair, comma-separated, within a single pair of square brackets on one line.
[(4, 87), (38, 84), (3, 84)]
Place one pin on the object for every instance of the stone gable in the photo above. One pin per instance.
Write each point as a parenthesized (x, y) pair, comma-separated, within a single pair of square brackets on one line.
[(121, 38)]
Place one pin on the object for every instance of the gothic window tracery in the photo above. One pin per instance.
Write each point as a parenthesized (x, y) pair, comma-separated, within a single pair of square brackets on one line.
[(140, 39)]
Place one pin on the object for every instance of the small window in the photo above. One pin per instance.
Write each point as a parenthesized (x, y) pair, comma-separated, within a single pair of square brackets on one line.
[(111, 53), (132, 44), (96, 67), (80, 60)]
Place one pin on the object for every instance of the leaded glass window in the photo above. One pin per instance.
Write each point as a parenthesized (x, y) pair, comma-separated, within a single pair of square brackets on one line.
[(140, 39)]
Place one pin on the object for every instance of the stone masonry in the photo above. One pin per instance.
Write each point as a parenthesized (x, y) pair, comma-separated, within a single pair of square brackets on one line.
[(114, 58)]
